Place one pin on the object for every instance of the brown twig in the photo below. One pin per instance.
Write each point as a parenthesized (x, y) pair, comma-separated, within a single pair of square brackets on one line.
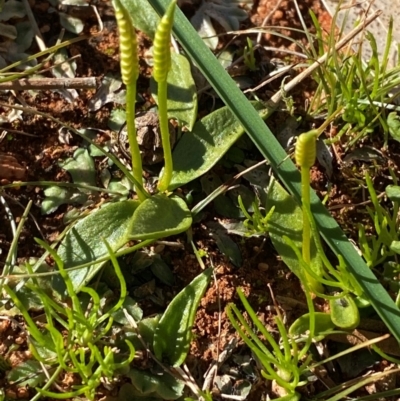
[(308, 71), (49, 84)]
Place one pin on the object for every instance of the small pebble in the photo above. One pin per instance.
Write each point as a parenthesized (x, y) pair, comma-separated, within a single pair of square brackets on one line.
[(159, 248), (45, 29), (263, 267), (278, 15)]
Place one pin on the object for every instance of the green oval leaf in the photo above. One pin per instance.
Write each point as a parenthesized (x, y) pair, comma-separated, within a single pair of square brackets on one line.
[(71, 24), (83, 243), (27, 374), (395, 247), (81, 167), (287, 220), (344, 312), (142, 15), (393, 192), (362, 302), (160, 216), (154, 385), (323, 323), (198, 151), (393, 123), (182, 94), (173, 334)]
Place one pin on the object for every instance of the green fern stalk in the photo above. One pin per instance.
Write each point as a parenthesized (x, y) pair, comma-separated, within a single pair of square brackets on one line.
[(305, 155), (130, 72), (162, 65)]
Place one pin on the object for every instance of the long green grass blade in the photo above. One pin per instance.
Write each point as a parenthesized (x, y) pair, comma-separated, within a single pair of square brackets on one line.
[(286, 171)]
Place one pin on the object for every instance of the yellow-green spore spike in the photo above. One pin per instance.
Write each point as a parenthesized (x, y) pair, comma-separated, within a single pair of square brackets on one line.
[(305, 155), (306, 149), (162, 65), (130, 72), (161, 45), (127, 45)]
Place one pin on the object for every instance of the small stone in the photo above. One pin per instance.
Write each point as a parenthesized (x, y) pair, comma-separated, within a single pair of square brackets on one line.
[(45, 28), (263, 267), (10, 168), (278, 15), (159, 248), (20, 340)]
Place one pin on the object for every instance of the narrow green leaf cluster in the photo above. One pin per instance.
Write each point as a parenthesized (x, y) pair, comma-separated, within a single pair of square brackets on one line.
[(127, 45), (161, 50), (285, 362), (377, 248), (80, 346)]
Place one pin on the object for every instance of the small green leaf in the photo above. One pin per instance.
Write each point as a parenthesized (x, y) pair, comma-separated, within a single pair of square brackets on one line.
[(323, 323), (182, 94), (132, 309), (344, 312), (71, 24), (147, 328), (57, 196), (162, 271), (84, 244), (46, 350), (27, 374), (393, 192), (143, 381), (226, 13), (228, 247), (29, 297), (395, 247), (199, 150), (81, 167), (108, 91), (82, 170), (143, 16), (393, 122), (161, 385), (25, 35), (287, 220), (12, 9), (117, 119), (173, 334), (362, 302), (160, 216), (4, 364)]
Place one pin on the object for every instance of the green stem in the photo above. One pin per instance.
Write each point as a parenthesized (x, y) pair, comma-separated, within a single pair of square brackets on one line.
[(49, 382), (305, 198), (133, 143), (129, 72), (163, 117), (32, 328)]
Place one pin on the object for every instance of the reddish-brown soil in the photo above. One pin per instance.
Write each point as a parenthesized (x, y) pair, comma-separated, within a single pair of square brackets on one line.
[(35, 158)]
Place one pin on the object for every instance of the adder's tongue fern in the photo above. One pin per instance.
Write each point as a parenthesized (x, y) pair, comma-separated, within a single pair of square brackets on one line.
[(305, 155), (162, 65), (130, 72)]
